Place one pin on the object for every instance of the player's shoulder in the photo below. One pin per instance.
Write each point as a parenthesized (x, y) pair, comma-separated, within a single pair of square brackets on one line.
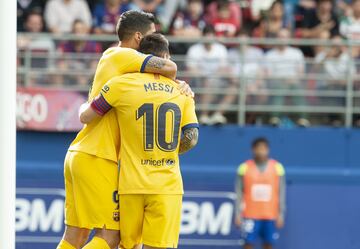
[(119, 51), (165, 79), (127, 77), (280, 170), (242, 168)]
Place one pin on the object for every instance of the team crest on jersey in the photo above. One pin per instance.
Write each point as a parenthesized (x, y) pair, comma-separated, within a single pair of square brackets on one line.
[(116, 216)]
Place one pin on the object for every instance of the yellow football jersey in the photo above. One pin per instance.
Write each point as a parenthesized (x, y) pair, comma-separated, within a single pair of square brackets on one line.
[(151, 113), (101, 137)]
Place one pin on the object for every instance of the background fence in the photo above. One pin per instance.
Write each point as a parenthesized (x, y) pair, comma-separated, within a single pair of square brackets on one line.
[(249, 86)]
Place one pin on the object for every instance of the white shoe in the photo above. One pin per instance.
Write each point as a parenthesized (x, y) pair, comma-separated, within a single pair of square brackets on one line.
[(218, 119), (205, 120)]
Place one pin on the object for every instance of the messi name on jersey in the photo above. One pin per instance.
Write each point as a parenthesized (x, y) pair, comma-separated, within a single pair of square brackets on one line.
[(158, 87)]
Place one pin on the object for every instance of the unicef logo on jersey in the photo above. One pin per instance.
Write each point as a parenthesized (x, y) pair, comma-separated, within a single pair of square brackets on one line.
[(170, 162), (159, 162)]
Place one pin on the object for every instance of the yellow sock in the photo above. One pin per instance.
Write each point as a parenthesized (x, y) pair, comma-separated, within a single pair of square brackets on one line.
[(65, 245), (97, 243)]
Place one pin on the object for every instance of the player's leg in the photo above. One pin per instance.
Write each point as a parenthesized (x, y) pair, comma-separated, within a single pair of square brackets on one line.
[(104, 239), (269, 233), (131, 220), (162, 220), (249, 232), (97, 198), (74, 237)]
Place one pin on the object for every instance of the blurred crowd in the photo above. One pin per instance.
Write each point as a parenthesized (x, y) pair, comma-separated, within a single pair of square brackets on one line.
[(286, 66), (187, 18)]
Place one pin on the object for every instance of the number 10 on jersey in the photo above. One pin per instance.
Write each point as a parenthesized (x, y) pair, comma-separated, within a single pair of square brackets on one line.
[(155, 125)]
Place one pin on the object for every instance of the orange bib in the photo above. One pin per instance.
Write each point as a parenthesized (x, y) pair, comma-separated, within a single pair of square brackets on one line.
[(261, 192)]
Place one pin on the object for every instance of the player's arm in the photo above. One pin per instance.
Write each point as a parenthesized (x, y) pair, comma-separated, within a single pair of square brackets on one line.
[(282, 194), (161, 66), (189, 139), (239, 189), (190, 127), (104, 102), (139, 62), (97, 108)]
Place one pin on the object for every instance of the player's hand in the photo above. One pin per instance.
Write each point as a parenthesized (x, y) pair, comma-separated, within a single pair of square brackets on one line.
[(185, 88), (238, 220), (280, 222), (82, 108)]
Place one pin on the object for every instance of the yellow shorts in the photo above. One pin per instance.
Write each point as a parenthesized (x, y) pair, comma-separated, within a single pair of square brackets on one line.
[(153, 220), (91, 199)]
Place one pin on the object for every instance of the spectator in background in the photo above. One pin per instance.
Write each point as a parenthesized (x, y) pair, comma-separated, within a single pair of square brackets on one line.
[(258, 7), (92, 4), (350, 25), (152, 6), (82, 50), (35, 24), (225, 16), (286, 64), (334, 63), (61, 14), (106, 15), (247, 62), (42, 48), (187, 23), (343, 7), (302, 8), (335, 60), (272, 22), (191, 22), (24, 7), (319, 19), (207, 60), (289, 13), (261, 197), (323, 36), (294, 9)]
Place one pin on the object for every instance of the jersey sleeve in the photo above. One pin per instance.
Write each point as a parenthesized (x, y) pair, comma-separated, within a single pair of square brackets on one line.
[(242, 169), (280, 169), (111, 92), (135, 61), (109, 97), (189, 119)]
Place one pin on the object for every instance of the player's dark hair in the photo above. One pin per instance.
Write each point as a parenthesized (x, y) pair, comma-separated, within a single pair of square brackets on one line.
[(133, 21), (155, 44), (258, 141)]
